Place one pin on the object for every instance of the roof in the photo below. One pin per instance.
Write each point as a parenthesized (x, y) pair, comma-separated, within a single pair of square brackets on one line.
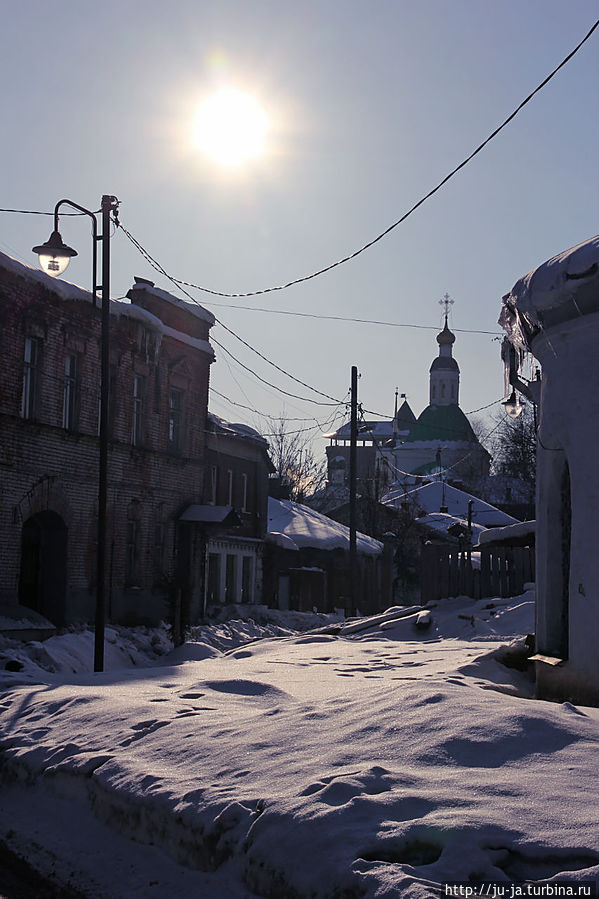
[(405, 418), (308, 528), (208, 514), (193, 308), (444, 362), (234, 429), (445, 337), (432, 496), (443, 521), (564, 287), (442, 423)]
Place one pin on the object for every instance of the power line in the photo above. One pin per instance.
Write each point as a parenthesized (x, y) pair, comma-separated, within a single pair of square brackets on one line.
[(274, 365), (410, 211), (345, 318), (305, 399), (156, 265), (252, 409), (35, 212)]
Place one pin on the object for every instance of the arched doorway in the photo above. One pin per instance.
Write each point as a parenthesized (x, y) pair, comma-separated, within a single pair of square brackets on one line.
[(43, 578)]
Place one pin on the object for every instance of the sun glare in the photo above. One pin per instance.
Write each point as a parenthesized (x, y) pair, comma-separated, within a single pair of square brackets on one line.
[(231, 127)]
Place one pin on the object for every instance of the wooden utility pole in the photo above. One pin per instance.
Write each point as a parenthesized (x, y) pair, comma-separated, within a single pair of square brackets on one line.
[(353, 458)]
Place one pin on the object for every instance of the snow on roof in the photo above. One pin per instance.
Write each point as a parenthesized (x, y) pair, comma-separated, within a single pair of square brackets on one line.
[(306, 527), (431, 497), (129, 310), (63, 289), (197, 343), (235, 429), (367, 430), (520, 531), (565, 286), (442, 521), (68, 291), (193, 308), (282, 540)]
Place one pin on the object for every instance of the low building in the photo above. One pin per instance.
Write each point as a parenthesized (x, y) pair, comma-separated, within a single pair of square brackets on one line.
[(553, 313), (307, 563), (236, 493)]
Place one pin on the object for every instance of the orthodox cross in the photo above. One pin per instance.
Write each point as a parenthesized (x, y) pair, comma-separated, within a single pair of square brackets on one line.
[(447, 302)]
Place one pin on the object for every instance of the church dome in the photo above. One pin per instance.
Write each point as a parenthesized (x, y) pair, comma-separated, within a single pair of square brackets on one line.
[(446, 337)]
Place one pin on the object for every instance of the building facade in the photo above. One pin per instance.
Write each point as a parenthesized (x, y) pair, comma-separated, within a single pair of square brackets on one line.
[(553, 313), (236, 480), (160, 358)]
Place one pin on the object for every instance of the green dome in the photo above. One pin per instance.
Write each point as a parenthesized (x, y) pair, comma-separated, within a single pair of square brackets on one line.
[(442, 423)]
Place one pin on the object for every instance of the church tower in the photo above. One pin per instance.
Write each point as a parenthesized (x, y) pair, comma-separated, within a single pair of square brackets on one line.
[(444, 386)]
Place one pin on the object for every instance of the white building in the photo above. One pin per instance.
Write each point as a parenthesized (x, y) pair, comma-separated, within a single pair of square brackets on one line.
[(405, 448), (553, 312), (442, 437)]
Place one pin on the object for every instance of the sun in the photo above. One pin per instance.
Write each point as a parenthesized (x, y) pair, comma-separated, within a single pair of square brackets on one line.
[(230, 127)]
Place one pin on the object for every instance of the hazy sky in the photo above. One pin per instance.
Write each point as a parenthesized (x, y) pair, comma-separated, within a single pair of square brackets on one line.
[(370, 105)]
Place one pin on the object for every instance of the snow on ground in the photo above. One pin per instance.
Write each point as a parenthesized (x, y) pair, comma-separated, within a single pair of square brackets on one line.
[(372, 760)]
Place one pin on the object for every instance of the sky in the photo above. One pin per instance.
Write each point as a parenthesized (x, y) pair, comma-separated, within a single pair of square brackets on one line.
[(369, 106)]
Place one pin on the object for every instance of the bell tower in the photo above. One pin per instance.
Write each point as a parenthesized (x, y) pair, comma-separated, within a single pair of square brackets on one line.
[(444, 387)]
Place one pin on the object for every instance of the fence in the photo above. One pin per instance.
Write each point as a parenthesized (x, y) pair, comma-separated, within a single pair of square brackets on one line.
[(450, 571)]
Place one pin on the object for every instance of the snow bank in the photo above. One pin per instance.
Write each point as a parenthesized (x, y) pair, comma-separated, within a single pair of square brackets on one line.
[(379, 763)]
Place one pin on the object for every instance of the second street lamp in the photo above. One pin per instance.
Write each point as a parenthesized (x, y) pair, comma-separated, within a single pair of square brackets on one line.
[(54, 256)]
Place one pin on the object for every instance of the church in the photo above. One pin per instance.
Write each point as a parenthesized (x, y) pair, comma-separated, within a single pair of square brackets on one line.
[(407, 450)]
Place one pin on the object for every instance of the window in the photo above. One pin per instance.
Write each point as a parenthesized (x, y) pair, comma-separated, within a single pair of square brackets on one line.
[(158, 549), (131, 551), (246, 578), (244, 492), (229, 487), (231, 578), (110, 410), (138, 410), (70, 392), (175, 420), (213, 579), (32, 373), (213, 484)]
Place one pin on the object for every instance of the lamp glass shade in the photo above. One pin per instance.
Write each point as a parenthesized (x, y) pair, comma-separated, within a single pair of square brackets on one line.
[(53, 265), (512, 405), (54, 255)]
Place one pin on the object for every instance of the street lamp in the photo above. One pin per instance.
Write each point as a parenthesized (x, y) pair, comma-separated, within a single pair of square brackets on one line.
[(512, 405), (54, 257)]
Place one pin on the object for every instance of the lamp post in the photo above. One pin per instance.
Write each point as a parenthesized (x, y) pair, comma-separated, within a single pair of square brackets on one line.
[(54, 257)]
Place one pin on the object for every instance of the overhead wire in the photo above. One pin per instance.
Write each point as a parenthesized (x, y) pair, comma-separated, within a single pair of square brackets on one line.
[(158, 267)]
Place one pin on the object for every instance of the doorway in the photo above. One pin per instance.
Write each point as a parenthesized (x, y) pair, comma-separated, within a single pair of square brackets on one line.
[(43, 575)]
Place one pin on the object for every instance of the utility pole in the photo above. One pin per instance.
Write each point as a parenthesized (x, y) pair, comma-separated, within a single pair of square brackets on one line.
[(353, 458)]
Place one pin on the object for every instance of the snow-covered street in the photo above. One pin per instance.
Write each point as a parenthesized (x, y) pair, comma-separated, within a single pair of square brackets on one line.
[(375, 759)]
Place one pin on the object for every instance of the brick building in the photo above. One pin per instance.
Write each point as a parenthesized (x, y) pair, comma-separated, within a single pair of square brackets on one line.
[(160, 358), (237, 469)]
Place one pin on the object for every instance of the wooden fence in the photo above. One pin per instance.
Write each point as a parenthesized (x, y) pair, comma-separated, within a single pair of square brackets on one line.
[(449, 571)]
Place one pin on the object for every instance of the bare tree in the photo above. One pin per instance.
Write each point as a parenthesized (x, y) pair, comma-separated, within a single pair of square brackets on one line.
[(514, 447), (292, 454)]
